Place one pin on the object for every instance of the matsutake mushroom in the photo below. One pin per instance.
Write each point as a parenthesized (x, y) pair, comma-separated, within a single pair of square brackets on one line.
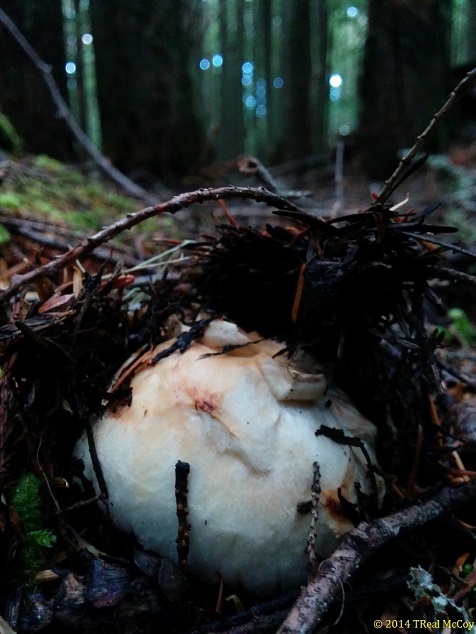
[(245, 419)]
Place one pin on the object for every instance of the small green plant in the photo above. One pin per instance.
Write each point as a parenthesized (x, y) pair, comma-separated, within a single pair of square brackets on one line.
[(26, 503), (461, 327)]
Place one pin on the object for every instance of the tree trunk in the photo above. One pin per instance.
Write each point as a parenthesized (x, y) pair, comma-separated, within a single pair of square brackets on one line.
[(471, 33), (405, 78), (24, 97), (145, 91), (231, 134), (319, 86), (262, 18), (297, 64)]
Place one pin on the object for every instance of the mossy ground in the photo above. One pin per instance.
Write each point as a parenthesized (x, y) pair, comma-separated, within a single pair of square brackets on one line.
[(41, 187)]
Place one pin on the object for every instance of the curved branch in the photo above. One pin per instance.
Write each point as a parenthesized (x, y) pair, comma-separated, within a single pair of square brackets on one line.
[(172, 206)]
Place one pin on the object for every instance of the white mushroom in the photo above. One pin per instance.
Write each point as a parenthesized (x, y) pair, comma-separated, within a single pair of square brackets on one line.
[(245, 421)]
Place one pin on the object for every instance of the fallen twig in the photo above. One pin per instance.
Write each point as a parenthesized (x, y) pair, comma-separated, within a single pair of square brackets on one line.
[(65, 114), (130, 220), (421, 139), (357, 546), (451, 274)]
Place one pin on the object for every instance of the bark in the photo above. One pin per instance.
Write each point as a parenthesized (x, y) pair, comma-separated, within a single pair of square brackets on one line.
[(405, 78), (145, 92), (471, 33), (319, 85), (297, 62), (231, 133), (262, 56)]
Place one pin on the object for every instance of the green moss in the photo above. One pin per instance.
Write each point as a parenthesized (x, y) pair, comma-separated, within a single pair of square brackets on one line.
[(27, 504), (9, 138), (10, 200), (44, 186)]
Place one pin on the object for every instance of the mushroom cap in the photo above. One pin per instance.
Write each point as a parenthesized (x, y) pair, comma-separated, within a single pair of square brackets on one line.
[(245, 421)]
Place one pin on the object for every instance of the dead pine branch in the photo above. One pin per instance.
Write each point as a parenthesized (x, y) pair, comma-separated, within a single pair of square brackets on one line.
[(63, 112), (357, 546), (421, 139), (131, 220)]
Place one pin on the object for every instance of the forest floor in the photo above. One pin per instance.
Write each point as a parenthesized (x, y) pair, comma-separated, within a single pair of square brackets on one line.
[(47, 207), (42, 189)]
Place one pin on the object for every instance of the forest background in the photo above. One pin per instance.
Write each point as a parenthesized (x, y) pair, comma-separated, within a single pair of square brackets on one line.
[(163, 88)]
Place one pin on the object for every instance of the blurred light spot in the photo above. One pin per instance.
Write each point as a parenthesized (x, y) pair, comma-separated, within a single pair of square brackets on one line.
[(277, 21), (70, 68), (278, 82), (352, 12), (217, 60), (246, 80), (87, 39), (344, 130), (260, 88), (260, 111), (70, 14), (261, 101), (250, 102), (335, 80), (334, 94), (204, 64), (247, 68)]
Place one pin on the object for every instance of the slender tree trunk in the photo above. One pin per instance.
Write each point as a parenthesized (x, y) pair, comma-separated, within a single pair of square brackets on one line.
[(297, 62), (471, 33), (405, 77), (231, 136), (262, 57), (319, 86), (275, 114)]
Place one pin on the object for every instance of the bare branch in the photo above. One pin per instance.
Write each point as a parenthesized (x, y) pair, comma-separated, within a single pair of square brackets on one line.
[(357, 546), (172, 206), (406, 160), (443, 273), (64, 113)]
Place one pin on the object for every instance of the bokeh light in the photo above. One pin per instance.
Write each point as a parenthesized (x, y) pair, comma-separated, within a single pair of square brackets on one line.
[(335, 80), (250, 102)]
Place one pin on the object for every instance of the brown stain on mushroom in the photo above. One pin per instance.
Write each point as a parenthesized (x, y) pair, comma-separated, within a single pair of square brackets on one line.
[(332, 503), (202, 400), (205, 405)]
